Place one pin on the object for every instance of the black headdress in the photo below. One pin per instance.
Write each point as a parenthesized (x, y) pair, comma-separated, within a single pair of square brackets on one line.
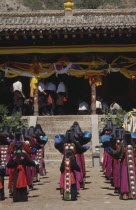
[(127, 138), (23, 130), (17, 137), (78, 131), (69, 137), (31, 132), (38, 131)]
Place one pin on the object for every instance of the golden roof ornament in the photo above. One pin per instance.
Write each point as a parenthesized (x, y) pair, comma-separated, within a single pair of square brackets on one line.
[(69, 5)]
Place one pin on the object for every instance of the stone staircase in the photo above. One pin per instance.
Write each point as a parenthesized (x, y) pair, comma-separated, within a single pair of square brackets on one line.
[(53, 125)]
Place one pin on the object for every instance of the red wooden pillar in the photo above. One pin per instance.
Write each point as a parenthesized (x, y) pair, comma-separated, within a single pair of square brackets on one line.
[(93, 96), (36, 107)]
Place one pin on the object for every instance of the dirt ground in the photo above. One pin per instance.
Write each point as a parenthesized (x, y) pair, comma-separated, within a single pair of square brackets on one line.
[(98, 194)]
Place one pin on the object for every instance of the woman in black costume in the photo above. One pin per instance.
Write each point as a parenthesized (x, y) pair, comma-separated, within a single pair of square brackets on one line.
[(18, 163)]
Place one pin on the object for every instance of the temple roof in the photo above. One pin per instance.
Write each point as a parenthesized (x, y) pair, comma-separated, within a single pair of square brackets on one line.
[(57, 19)]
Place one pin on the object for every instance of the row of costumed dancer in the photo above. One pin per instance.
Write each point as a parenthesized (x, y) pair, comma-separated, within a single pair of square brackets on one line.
[(22, 158), (119, 159), (72, 146)]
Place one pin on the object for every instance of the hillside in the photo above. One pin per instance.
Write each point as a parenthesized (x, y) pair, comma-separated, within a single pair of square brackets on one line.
[(30, 5)]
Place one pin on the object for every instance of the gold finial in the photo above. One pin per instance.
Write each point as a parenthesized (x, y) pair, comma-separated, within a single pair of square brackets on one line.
[(69, 5)]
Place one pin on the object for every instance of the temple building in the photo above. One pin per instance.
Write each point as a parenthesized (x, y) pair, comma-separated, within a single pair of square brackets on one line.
[(92, 51)]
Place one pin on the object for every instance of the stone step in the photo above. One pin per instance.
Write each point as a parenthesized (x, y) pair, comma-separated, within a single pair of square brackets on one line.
[(60, 120), (55, 131), (50, 146), (51, 136), (64, 117), (53, 125), (61, 130), (66, 125)]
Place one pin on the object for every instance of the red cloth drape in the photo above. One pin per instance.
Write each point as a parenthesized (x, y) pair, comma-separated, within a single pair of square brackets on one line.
[(21, 181)]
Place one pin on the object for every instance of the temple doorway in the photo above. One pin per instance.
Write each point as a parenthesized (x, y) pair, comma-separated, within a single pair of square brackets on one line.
[(119, 88), (114, 86)]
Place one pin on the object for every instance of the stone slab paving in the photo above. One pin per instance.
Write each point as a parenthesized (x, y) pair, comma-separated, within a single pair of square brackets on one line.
[(98, 195)]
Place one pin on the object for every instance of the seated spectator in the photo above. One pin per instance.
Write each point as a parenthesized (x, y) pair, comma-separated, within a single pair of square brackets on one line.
[(18, 98), (18, 101), (60, 104), (61, 98), (42, 97), (83, 108), (51, 92), (114, 107), (28, 108), (105, 107), (17, 86), (42, 87), (98, 106), (61, 88)]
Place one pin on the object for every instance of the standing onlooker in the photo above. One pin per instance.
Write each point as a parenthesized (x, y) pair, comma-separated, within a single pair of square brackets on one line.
[(98, 106), (42, 97), (51, 91), (105, 107), (60, 104), (18, 98), (61, 88), (114, 107), (28, 107), (83, 107), (18, 177), (61, 96)]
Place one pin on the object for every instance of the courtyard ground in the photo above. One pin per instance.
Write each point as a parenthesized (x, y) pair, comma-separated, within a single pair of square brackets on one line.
[(98, 195)]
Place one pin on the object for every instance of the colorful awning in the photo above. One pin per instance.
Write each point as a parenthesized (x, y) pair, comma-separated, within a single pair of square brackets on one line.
[(68, 49), (95, 67)]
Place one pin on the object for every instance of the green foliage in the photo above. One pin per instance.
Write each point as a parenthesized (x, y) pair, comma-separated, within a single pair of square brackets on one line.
[(15, 121), (3, 110), (119, 120)]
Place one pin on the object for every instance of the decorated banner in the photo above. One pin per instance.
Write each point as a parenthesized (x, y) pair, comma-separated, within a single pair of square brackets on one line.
[(93, 67)]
